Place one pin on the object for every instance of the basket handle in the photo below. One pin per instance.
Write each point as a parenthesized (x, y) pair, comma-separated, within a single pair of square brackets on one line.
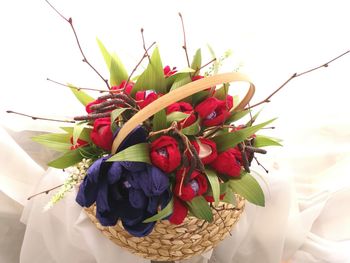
[(179, 94)]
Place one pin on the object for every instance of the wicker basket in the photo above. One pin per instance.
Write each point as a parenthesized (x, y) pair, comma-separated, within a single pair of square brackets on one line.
[(169, 242)]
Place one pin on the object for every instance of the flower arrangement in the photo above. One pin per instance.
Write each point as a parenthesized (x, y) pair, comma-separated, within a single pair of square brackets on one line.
[(163, 146)]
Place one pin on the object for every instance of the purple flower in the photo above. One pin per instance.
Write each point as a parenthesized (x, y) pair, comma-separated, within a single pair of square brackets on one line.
[(129, 191)]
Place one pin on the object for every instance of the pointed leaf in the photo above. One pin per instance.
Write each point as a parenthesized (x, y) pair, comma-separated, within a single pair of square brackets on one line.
[(136, 153), (197, 61), (168, 210), (231, 139), (249, 188), (215, 185), (199, 97), (230, 197), (193, 129), (84, 135), (56, 141), (253, 119), (263, 141), (81, 95), (114, 115), (152, 77), (235, 116), (117, 71), (199, 207), (68, 159), (159, 121), (77, 130), (222, 92), (176, 116)]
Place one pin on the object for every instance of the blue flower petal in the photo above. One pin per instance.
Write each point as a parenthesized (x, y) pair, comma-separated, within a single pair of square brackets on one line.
[(138, 135), (137, 198), (140, 229), (154, 181), (114, 172), (153, 204), (87, 193), (133, 166)]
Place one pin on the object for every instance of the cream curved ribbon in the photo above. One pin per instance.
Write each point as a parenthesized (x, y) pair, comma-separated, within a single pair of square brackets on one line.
[(179, 94)]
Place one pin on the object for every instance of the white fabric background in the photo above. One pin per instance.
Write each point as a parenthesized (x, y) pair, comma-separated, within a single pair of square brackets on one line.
[(306, 218)]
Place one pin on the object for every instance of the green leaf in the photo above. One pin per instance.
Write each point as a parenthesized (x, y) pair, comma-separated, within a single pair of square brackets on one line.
[(159, 120), (263, 141), (249, 188), (168, 210), (117, 71), (176, 116), (253, 119), (197, 61), (215, 185), (56, 141), (193, 129), (114, 115), (222, 92), (216, 63), (116, 68), (84, 135), (180, 81), (152, 77), (229, 197), (200, 96), (235, 116), (200, 208), (84, 98), (231, 139), (136, 153), (77, 130), (68, 159)]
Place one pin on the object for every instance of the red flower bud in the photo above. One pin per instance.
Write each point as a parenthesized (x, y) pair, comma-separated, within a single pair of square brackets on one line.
[(165, 153), (206, 150), (185, 108), (227, 163), (145, 97), (168, 71), (80, 143), (101, 135), (214, 111), (120, 88), (179, 212), (197, 185)]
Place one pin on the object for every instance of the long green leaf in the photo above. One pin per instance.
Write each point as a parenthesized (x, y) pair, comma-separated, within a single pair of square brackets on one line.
[(193, 129), (152, 77), (114, 115), (214, 184), (77, 130), (176, 116), (56, 141), (222, 92), (68, 159), (168, 210), (84, 98), (200, 208), (197, 61), (84, 135), (231, 139), (249, 188), (229, 197), (263, 141), (235, 116), (136, 153), (180, 81), (159, 121), (118, 72)]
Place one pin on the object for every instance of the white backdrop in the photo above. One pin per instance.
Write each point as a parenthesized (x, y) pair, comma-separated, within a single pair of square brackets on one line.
[(272, 39)]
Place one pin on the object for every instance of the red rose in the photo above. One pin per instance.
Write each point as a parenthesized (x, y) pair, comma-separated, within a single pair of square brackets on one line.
[(214, 111), (120, 88), (180, 211), (101, 135), (197, 185), (80, 143), (227, 163), (165, 153), (88, 106), (185, 108), (168, 71), (145, 97), (206, 150)]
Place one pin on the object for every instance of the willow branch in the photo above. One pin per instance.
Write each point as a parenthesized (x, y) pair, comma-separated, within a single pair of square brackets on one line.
[(38, 118), (184, 45), (295, 75), (45, 192), (70, 22), (77, 88)]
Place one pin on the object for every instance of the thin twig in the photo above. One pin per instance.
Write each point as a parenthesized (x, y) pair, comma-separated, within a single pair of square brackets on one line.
[(144, 45), (39, 118), (45, 192), (70, 21), (184, 45), (256, 159), (137, 65), (206, 64), (295, 75), (77, 88)]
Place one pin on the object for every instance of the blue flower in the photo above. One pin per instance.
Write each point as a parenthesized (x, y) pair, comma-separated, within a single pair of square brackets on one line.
[(129, 191)]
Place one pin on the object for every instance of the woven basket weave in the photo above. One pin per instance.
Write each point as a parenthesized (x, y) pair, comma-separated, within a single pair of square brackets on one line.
[(169, 242)]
